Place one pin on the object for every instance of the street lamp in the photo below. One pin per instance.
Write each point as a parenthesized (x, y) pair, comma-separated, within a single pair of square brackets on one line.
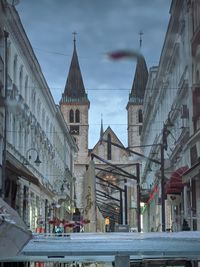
[(29, 157)]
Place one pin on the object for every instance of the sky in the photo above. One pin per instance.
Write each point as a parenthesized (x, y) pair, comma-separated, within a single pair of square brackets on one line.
[(102, 26)]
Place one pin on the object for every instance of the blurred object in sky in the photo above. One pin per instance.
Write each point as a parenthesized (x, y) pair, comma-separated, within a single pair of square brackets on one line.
[(121, 54)]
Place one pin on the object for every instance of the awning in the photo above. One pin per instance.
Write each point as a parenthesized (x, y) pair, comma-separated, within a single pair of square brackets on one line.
[(20, 172), (88, 247), (19, 169), (192, 172), (175, 184), (13, 231)]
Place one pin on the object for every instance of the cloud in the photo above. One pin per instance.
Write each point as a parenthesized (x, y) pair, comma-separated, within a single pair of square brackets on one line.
[(102, 26)]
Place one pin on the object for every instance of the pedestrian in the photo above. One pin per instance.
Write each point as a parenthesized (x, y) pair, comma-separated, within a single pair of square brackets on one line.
[(185, 226), (59, 230), (76, 218)]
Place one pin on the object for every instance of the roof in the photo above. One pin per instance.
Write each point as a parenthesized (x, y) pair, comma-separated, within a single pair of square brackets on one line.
[(74, 88), (91, 247), (139, 83), (104, 134)]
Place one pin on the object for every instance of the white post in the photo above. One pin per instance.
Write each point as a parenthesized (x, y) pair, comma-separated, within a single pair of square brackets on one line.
[(122, 261)]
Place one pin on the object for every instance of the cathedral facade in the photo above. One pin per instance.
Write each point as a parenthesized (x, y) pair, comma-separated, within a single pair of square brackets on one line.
[(109, 150)]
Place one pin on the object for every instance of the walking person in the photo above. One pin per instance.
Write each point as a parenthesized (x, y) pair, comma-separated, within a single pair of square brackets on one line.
[(76, 218)]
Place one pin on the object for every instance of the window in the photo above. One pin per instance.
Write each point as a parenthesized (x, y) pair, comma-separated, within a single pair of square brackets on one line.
[(140, 116), (15, 69), (109, 150), (47, 126), (33, 98), (25, 203), (196, 105), (71, 116), (26, 89), (21, 80), (197, 77), (20, 134), (14, 136), (38, 109), (77, 115), (193, 155), (8, 56), (140, 129), (51, 132), (43, 115)]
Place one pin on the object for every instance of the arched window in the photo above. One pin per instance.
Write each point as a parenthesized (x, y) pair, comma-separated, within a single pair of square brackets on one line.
[(14, 131), (15, 69), (21, 80), (8, 56), (109, 150), (77, 115), (51, 132), (38, 109), (71, 115), (43, 115), (33, 99), (26, 89), (140, 116), (20, 137), (47, 126), (197, 77)]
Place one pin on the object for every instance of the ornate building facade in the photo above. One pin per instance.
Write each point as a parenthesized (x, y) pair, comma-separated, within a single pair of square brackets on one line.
[(171, 118), (36, 146)]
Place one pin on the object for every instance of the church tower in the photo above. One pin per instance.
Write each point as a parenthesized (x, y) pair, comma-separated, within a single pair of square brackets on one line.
[(74, 107), (135, 103)]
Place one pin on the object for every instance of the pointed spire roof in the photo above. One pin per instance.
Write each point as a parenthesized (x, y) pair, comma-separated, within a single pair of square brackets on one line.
[(101, 130), (74, 88), (139, 83)]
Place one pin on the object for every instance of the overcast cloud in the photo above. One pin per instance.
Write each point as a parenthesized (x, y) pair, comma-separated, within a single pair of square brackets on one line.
[(102, 26)]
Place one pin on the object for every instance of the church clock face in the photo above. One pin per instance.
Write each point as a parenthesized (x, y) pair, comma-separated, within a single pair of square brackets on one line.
[(74, 129)]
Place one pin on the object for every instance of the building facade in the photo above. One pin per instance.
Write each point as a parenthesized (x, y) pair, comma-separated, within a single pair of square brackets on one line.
[(171, 119), (191, 177), (37, 173)]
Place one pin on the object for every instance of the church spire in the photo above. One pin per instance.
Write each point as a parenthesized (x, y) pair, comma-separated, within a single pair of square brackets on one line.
[(141, 33), (74, 33), (74, 89), (140, 79), (139, 83), (101, 130)]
